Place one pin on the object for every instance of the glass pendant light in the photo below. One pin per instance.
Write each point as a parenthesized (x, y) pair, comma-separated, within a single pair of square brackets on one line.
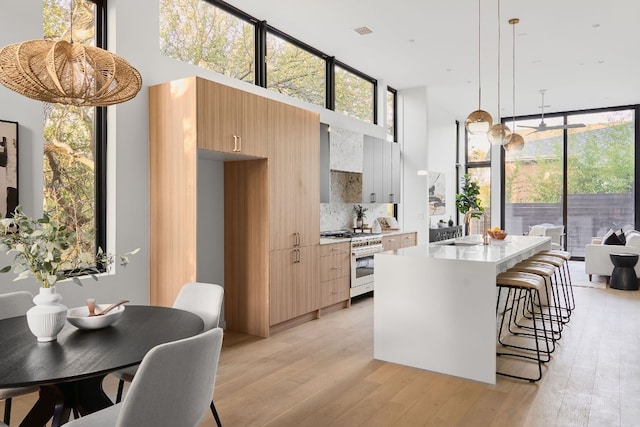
[(479, 122), (499, 132), (515, 141)]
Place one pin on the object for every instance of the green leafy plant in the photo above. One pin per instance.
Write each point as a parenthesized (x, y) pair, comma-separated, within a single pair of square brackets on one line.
[(40, 246), (360, 211), (468, 201)]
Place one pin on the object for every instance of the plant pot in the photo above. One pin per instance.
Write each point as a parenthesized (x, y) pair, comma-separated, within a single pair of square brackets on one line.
[(46, 319), (359, 222)]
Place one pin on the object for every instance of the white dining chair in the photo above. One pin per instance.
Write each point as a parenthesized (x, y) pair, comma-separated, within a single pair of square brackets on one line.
[(14, 304), (173, 384), (203, 299)]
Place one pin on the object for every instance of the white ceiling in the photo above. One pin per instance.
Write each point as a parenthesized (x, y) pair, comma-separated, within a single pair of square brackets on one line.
[(583, 52)]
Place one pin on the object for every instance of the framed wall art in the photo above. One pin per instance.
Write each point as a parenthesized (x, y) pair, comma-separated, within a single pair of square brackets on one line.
[(8, 167), (437, 192)]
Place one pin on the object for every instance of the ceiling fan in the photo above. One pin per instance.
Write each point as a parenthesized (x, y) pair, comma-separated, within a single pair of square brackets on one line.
[(542, 126)]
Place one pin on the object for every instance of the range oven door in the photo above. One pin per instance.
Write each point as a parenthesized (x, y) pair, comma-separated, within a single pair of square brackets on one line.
[(362, 270)]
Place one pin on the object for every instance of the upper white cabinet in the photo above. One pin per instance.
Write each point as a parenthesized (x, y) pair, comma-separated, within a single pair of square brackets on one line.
[(381, 171), (391, 172)]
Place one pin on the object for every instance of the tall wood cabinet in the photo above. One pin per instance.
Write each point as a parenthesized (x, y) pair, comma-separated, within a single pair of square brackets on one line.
[(271, 197)]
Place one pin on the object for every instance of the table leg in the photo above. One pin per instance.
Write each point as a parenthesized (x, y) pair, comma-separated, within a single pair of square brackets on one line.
[(57, 401)]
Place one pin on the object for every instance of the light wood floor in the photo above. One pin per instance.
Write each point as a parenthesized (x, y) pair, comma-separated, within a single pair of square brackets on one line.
[(322, 374)]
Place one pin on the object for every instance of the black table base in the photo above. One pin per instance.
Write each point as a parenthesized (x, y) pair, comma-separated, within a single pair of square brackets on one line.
[(82, 397), (624, 276)]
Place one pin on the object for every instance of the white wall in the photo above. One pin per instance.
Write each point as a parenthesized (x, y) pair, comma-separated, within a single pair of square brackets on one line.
[(134, 35), (412, 212)]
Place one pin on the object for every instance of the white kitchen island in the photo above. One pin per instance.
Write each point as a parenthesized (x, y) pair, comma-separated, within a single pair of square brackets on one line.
[(435, 305)]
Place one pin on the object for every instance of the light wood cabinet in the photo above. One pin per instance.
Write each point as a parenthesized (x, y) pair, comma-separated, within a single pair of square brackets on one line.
[(335, 273), (234, 123), (294, 196), (271, 200), (293, 283), (398, 241)]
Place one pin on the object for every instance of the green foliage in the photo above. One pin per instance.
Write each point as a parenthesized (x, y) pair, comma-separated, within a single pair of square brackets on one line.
[(197, 32), (41, 250), (360, 211), (69, 141), (468, 201)]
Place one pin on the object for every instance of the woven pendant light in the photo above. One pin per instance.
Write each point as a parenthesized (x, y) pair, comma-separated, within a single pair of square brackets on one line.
[(68, 73)]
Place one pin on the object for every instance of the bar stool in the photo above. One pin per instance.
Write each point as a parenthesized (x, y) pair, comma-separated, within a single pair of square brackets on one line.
[(565, 256), (560, 282), (549, 298), (521, 286)]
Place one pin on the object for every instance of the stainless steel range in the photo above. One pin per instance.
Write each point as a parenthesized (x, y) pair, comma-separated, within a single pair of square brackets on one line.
[(363, 247)]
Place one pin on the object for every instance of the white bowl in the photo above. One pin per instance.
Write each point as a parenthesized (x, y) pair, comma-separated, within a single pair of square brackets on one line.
[(79, 317)]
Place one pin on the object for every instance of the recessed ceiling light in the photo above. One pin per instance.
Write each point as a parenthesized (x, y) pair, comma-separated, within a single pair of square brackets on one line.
[(601, 61), (595, 25), (363, 31)]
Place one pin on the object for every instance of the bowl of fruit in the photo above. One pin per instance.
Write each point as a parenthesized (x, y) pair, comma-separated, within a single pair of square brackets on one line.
[(497, 233)]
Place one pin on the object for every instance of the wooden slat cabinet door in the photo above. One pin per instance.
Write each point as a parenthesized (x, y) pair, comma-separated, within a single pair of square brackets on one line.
[(293, 283), (231, 120), (294, 173)]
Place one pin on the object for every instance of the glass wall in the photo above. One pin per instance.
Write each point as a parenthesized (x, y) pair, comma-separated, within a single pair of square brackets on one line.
[(581, 176), (478, 167)]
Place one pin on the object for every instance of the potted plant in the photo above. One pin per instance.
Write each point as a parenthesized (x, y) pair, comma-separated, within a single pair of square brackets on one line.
[(360, 215), (41, 248), (468, 201)]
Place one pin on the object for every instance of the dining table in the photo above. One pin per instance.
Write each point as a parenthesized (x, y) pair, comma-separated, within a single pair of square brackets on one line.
[(70, 370)]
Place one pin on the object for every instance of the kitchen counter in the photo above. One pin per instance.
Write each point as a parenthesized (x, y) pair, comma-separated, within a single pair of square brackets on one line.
[(435, 304), (331, 240)]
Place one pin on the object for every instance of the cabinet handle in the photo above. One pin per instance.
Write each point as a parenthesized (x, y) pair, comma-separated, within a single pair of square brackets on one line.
[(235, 143), (337, 267), (296, 241), (239, 143), (391, 197), (297, 257), (373, 197)]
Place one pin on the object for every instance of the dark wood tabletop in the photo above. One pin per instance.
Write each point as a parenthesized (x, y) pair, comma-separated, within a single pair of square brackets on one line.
[(86, 356)]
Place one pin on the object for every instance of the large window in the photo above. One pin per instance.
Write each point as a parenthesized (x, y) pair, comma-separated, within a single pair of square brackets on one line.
[(295, 71), (354, 95), (202, 34), (74, 140), (580, 177), (215, 35), (478, 166), (392, 114)]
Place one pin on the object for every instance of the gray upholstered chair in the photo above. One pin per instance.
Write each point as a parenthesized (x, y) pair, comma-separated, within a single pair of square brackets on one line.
[(14, 304), (203, 299), (172, 387)]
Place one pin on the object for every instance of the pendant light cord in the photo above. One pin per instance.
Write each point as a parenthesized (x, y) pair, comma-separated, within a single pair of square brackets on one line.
[(479, 68), (514, 22), (499, 112), (71, 21)]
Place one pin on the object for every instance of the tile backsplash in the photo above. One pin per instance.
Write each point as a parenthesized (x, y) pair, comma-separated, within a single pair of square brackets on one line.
[(345, 193)]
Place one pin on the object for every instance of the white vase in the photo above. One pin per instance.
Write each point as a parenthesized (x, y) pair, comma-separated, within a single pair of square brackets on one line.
[(46, 319)]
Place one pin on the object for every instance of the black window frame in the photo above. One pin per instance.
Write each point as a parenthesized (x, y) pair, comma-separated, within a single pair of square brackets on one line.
[(100, 131), (260, 78)]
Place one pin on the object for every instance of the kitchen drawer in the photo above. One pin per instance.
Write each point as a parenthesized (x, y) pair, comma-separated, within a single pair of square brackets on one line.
[(407, 240), (333, 291), (335, 249), (334, 266), (391, 242)]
